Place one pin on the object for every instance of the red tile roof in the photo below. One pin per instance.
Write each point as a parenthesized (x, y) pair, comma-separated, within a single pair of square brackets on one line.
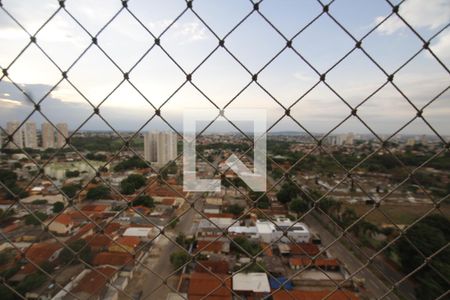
[(37, 254), (209, 246), (202, 284), (64, 219), (99, 241), (112, 259), (94, 282), (111, 227), (214, 266), (314, 295), (158, 190), (309, 249), (319, 262), (168, 201), (129, 241), (95, 207), (222, 215)]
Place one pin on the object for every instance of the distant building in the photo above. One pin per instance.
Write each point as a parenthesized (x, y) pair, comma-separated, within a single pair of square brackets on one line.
[(62, 134), (30, 135), (160, 147), (341, 139), (48, 136), (12, 128)]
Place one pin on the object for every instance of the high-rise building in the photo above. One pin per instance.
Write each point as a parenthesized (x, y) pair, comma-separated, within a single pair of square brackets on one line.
[(13, 128), (150, 149), (48, 136), (62, 134), (160, 147), (30, 135)]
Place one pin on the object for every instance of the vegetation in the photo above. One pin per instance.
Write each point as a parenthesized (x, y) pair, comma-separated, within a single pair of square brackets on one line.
[(72, 174), (144, 200), (429, 236), (179, 259), (234, 209), (58, 207), (245, 246), (263, 200), (35, 219), (133, 182), (70, 190), (97, 157), (39, 202), (98, 192), (287, 192), (130, 164), (9, 179), (298, 205), (82, 250)]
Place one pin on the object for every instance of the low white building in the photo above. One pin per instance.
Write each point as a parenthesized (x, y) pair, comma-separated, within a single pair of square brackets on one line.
[(144, 233), (269, 232), (257, 283)]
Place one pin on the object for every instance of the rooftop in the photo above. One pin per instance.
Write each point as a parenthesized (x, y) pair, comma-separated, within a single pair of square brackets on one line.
[(255, 282), (202, 284), (314, 295)]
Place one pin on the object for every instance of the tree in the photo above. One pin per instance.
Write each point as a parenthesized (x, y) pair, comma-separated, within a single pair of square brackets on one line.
[(287, 192), (31, 282), (243, 245), (133, 182), (130, 164), (9, 179), (70, 190), (262, 200), (35, 219), (80, 247), (235, 209), (72, 174), (144, 200), (298, 205), (179, 258), (57, 207), (428, 236), (98, 192)]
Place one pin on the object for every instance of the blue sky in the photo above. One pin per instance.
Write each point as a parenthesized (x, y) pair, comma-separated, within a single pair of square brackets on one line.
[(254, 43)]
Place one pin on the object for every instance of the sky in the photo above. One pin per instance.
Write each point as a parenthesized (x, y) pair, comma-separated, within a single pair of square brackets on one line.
[(154, 77)]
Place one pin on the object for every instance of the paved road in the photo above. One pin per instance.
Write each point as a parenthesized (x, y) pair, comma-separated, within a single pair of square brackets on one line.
[(373, 284), (159, 261)]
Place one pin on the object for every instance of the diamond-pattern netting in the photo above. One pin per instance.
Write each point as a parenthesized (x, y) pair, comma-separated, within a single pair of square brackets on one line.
[(252, 25)]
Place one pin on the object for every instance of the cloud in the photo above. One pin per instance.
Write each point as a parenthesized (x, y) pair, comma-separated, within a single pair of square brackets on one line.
[(442, 47), (430, 15), (186, 31)]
